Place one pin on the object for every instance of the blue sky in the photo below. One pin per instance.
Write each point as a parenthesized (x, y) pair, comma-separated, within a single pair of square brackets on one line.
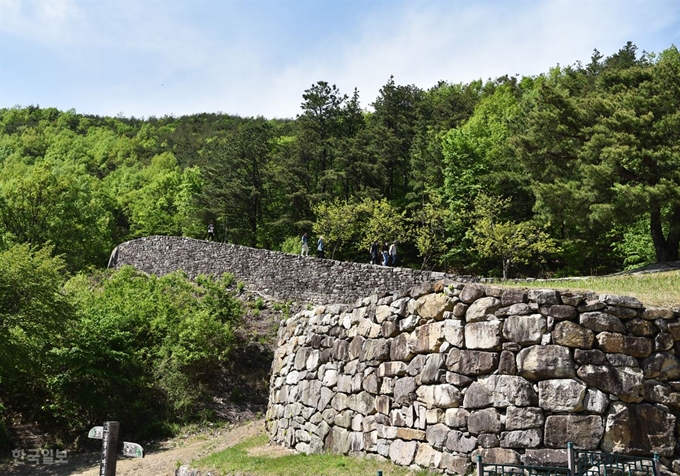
[(256, 57)]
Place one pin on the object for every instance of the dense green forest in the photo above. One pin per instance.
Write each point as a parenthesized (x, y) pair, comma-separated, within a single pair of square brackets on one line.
[(575, 171)]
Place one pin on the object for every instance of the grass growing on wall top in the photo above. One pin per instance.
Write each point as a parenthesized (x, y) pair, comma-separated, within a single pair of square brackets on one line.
[(654, 289), (251, 457)]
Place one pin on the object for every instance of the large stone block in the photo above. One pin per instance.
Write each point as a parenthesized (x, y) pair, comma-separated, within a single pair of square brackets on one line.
[(512, 296), (403, 452), (460, 443), (500, 391), (471, 362), (454, 332), (497, 455), (661, 366), (487, 420), (544, 296), (432, 370), (601, 322), (585, 431), (405, 391), (639, 347), (524, 330), (456, 417), (639, 430), (440, 396), (471, 292), (338, 441), (570, 334), (561, 395), (484, 335), (375, 350), (436, 435), (427, 456), (624, 382), (433, 306), (401, 348), (428, 337), (519, 418), (481, 309), (545, 362), (531, 438)]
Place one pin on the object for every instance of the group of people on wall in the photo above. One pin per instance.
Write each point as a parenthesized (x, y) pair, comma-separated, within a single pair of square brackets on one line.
[(385, 255)]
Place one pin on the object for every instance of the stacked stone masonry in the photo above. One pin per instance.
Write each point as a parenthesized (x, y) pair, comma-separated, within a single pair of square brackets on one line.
[(282, 276), (438, 375)]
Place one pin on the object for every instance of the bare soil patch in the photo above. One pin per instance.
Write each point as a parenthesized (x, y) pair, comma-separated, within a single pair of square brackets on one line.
[(160, 461)]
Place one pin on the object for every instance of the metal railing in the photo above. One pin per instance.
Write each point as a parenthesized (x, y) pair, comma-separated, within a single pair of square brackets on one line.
[(579, 463), (593, 463)]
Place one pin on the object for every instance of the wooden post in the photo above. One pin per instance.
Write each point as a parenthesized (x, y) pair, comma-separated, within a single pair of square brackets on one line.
[(109, 449)]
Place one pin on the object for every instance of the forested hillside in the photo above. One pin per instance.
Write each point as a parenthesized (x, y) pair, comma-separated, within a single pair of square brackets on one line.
[(575, 171)]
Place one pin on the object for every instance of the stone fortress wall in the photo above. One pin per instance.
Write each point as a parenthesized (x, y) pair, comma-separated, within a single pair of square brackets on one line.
[(432, 371), (282, 276), (441, 374)]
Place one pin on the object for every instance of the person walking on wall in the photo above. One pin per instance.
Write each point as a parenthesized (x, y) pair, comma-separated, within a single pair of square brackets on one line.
[(305, 245), (393, 253), (374, 253), (319, 247), (211, 231), (385, 255)]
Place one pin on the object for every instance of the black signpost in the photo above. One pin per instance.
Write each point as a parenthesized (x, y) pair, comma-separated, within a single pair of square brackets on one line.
[(109, 446), (109, 436)]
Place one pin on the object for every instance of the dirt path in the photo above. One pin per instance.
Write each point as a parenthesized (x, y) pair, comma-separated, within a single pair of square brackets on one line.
[(159, 462)]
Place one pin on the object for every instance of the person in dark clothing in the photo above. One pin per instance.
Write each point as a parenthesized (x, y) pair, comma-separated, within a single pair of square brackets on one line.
[(319, 247), (374, 253)]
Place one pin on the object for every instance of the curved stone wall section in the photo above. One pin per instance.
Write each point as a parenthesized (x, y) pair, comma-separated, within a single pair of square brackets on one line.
[(280, 275), (445, 373)]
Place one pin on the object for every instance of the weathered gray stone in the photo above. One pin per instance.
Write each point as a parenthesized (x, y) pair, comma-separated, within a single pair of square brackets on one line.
[(432, 371), (455, 464), (484, 335), (429, 337), (471, 362), (383, 404), (391, 369), (570, 334), (471, 292), (457, 379), (663, 342), (512, 296), (459, 309), (594, 357), (623, 301), (338, 440), (639, 430), (401, 348), (622, 360), (545, 362), (601, 322), (405, 391), (441, 396), (616, 343), (559, 312), (500, 391), (525, 330), (624, 382), (519, 418), (561, 395), (481, 309), (410, 434), (456, 417), (497, 455), (661, 366), (585, 431), (487, 420), (506, 364), (531, 438), (545, 457), (591, 306), (488, 440), (519, 309), (641, 327), (375, 350), (622, 312), (427, 457), (436, 435), (416, 365), (595, 401), (652, 313), (544, 296), (454, 332), (403, 452), (458, 442)]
